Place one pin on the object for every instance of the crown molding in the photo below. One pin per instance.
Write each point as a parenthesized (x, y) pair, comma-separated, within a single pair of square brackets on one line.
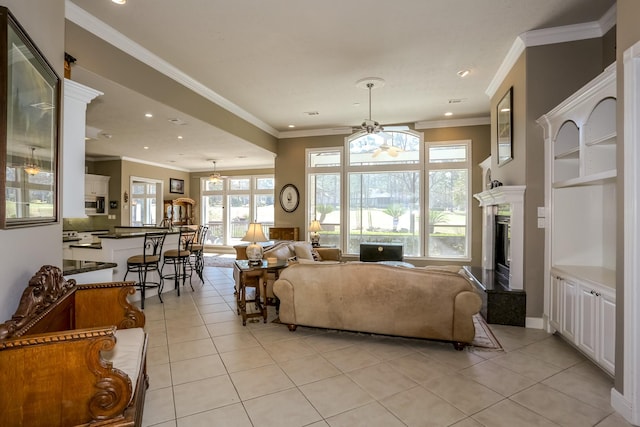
[(90, 23), (315, 132), (546, 36), (435, 124)]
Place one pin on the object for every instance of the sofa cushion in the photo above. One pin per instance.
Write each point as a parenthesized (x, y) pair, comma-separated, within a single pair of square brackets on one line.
[(303, 250), (126, 355), (279, 251)]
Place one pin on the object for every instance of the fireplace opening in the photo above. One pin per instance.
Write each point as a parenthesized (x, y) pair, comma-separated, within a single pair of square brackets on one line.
[(502, 244)]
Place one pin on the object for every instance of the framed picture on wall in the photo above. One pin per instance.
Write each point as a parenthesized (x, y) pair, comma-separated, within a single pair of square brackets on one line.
[(504, 114), (176, 186)]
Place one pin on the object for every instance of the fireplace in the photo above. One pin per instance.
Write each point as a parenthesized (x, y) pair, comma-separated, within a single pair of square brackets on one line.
[(500, 279), (502, 244)]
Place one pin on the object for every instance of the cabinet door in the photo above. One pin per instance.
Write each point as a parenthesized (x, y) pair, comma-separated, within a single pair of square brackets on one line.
[(607, 331), (588, 320), (555, 304), (569, 312)]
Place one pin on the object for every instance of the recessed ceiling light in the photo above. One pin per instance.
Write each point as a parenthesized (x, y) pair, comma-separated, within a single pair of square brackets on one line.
[(463, 73), (179, 136), (292, 126), (148, 115), (119, 1), (146, 148), (448, 113)]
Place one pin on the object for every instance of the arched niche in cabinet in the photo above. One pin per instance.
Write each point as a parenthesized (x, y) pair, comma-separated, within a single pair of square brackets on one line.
[(600, 138), (566, 151)]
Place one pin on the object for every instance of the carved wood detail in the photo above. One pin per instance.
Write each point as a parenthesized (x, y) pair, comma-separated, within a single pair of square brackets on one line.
[(45, 288)]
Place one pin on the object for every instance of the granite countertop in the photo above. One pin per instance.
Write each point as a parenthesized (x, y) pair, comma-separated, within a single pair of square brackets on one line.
[(70, 266), (130, 235), (87, 245)]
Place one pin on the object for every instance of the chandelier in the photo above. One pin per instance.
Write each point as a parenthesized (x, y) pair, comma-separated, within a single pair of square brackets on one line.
[(215, 177), (31, 167)]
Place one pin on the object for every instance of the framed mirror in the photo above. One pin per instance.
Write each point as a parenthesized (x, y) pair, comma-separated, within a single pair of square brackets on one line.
[(504, 114), (30, 113)]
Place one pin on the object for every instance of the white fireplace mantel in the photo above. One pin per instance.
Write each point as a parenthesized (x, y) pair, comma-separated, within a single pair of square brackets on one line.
[(512, 195)]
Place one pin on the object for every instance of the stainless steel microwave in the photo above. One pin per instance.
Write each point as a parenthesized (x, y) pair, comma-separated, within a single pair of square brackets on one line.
[(95, 205)]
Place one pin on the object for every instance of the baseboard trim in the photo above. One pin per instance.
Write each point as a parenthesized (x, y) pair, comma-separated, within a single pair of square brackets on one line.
[(534, 322), (623, 407)]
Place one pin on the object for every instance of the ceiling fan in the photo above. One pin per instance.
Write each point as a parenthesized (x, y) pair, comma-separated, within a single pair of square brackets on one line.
[(386, 148), (369, 125), (372, 127)]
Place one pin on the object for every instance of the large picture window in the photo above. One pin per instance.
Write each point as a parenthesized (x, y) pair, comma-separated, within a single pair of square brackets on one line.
[(382, 191)]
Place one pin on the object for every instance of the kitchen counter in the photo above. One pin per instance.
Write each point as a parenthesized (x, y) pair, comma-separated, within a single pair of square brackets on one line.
[(135, 234), (88, 271), (96, 245), (72, 266)]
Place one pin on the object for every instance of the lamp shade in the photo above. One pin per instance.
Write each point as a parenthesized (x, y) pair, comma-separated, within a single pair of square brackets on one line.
[(254, 233), (315, 226)]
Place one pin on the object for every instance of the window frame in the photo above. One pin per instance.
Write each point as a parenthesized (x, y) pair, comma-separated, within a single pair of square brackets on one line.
[(422, 167), (226, 192)]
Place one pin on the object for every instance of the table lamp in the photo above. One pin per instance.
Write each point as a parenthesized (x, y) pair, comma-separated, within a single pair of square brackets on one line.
[(314, 227), (254, 235)]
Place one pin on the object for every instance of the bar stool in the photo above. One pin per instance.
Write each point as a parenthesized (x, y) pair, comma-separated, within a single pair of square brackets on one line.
[(148, 261), (180, 259), (197, 250)]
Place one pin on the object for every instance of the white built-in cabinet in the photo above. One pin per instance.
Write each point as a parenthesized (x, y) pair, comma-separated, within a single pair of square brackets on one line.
[(96, 185), (580, 234)]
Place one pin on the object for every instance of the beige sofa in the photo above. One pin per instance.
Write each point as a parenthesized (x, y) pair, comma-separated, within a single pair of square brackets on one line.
[(436, 303)]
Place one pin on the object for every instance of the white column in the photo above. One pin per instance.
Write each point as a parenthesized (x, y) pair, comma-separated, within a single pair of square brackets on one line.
[(76, 98)]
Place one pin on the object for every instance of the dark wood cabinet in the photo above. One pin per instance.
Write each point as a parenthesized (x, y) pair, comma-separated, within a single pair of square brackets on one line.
[(284, 233), (179, 211)]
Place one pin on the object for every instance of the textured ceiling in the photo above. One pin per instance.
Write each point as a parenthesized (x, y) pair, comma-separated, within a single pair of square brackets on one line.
[(278, 60)]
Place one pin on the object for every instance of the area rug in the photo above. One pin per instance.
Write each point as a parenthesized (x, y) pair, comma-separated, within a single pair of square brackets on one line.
[(219, 260), (484, 337)]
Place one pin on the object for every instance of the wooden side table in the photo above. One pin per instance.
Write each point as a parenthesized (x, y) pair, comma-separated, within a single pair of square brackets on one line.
[(249, 276), (253, 276)]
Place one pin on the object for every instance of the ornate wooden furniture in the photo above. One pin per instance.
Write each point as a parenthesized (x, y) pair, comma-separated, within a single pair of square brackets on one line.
[(60, 362), (179, 211), (284, 233)]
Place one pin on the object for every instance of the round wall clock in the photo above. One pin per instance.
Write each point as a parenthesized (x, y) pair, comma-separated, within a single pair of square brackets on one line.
[(289, 198)]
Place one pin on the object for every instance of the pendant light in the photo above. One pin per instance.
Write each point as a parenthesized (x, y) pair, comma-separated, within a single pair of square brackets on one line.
[(31, 167)]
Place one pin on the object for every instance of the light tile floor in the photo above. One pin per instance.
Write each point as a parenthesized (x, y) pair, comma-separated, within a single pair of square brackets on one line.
[(206, 369)]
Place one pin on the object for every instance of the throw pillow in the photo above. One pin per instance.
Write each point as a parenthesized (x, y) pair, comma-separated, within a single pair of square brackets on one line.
[(316, 255), (303, 250)]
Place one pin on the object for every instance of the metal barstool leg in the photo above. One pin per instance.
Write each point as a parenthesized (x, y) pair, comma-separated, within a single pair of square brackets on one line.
[(141, 282), (176, 276)]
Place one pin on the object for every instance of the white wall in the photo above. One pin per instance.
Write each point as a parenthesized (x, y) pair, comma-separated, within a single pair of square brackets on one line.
[(24, 250)]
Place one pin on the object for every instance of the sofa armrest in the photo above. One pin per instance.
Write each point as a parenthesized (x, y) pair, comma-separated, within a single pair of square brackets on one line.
[(105, 304), (330, 254), (466, 305)]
